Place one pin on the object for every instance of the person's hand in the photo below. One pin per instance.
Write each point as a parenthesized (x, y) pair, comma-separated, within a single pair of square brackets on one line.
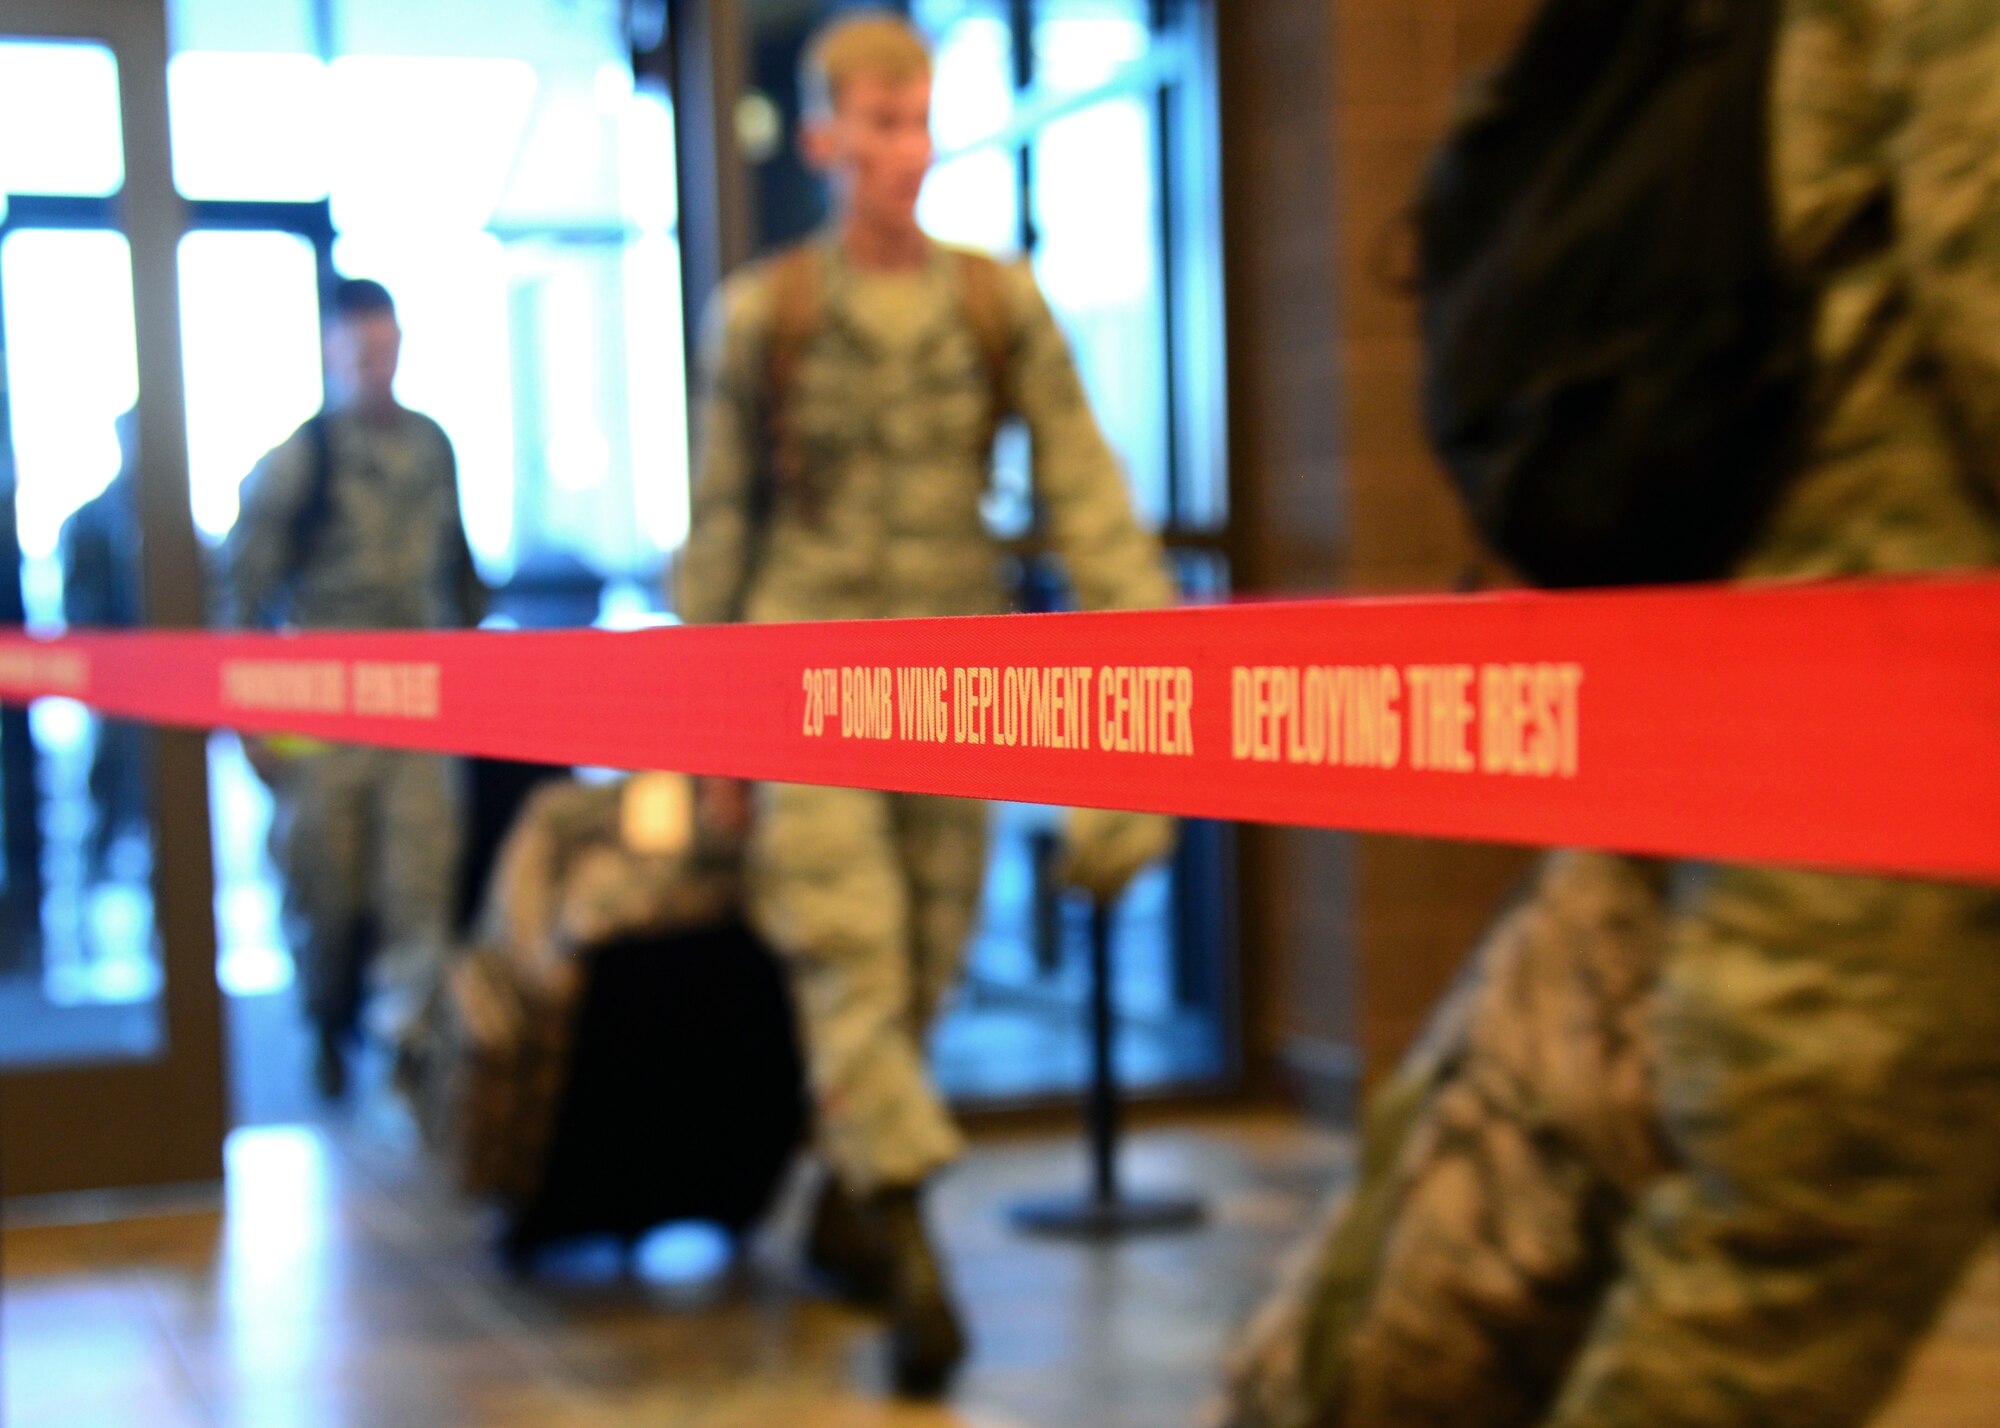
[(1104, 849)]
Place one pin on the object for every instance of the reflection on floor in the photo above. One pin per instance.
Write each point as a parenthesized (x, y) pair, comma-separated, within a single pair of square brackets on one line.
[(36, 1032), (79, 963), (341, 1286)]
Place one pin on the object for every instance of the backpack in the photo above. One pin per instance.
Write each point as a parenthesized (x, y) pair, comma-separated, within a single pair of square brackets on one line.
[(797, 282), (1614, 359)]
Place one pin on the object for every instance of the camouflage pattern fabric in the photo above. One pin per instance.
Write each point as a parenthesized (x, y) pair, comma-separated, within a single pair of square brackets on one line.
[(1450, 1284), (566, 879), (484, 1064), (869, 896), (361, 836), (1829, 1079), (1828, 1048), (1886, 127), (366, 838), (390, 554), (892, 414)]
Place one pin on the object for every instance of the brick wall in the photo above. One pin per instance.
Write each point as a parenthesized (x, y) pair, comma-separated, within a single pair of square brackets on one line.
[(1328, 111)]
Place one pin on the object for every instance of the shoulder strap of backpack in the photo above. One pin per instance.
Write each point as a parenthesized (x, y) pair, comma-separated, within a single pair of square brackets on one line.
[(469, 589), (313, 509), (985, 303), (796, 282)]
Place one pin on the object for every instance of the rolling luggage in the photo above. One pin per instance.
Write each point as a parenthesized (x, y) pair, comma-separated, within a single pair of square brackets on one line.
[(616, 1049), (685, 1092)]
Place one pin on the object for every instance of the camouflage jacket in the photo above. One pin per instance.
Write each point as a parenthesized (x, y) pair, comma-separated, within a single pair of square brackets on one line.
[(390, 553), (1886, 130), (893, 420), (567, 879)]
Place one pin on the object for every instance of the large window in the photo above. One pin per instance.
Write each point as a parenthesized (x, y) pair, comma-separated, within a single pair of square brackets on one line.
[(81, 977), (1077, 133), (495, 166), (519, 205)]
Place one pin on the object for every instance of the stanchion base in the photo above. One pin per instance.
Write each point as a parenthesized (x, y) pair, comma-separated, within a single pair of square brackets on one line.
[(1089, 1218)]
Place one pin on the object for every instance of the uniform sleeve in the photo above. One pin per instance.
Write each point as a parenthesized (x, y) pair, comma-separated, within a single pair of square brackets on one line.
[(1945, 61), (473, 597), (470, 597), (1113, 562), (258, 551), (714, 566)]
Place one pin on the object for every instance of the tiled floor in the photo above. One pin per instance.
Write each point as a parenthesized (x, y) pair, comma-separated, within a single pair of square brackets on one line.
[(340, 1285)]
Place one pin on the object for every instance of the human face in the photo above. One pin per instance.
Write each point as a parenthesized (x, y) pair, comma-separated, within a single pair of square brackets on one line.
[(876, 145), (361, 356)]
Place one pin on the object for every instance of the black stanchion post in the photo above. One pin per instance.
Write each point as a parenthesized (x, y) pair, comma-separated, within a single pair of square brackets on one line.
[(1106, 1211)]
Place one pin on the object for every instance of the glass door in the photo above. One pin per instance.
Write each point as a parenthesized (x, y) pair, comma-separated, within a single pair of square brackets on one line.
[(110, 1067)]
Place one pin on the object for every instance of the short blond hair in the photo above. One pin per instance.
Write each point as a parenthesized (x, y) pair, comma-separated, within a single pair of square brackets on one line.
[(877, 42)]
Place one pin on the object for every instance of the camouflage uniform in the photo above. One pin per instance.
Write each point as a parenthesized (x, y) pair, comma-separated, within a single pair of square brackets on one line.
[(870, 895), (1829, 1064), (1827, 1048), (360, 835), (569, 877), (1451, 1285)]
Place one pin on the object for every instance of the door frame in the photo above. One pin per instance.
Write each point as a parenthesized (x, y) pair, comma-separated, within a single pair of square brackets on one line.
[(157, 1121)]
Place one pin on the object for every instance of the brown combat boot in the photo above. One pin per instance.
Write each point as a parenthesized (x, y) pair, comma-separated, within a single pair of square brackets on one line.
[(846, 1250), (926, 1340)]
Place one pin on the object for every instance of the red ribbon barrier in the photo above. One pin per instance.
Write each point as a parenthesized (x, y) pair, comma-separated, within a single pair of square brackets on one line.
[(1852, 725)]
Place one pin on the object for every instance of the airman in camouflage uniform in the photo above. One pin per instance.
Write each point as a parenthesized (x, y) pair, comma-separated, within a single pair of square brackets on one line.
[(366, 840), (1826, 1048), (1829, 1047), (870, 895)]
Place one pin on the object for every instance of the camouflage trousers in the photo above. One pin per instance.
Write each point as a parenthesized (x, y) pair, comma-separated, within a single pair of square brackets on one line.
[(1451, 1283), (1829, 1082), (869, 897), (1755, 1233), (367, 844)]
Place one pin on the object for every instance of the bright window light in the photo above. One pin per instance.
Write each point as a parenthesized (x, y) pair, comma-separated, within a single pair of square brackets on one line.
[(1084, 43), (250, 345), (974, 92), (249, 126), (1094, 196), (973, 199), (646, 160), (59, 126), (425, 143), (655, 377), (72, 369), (458, 365), (267, 26)]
